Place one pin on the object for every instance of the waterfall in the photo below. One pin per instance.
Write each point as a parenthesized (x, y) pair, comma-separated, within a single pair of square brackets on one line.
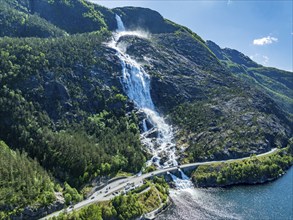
[(183, 175), (120, 25), (144, 125), (158, 138), (181, 183), (135, 82)]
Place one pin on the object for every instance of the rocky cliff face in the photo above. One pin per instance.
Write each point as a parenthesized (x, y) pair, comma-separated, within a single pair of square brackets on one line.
[(237, 119), (230, 54)]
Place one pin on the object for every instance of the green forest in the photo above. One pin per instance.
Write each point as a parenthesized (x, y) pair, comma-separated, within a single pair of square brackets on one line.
[(78, 144), (23, 182)]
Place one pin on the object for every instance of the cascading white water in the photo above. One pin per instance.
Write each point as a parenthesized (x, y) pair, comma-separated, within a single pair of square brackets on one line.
[(136, 84), (159, 138), (181, 183), (144, 125), (120, 25), (183, 175)]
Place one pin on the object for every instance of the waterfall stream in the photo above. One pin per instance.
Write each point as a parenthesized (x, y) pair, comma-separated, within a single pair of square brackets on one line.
[(157, 136), (181, 183)]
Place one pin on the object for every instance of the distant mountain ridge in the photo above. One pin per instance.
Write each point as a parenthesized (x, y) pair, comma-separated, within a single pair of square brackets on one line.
[(276, 83)]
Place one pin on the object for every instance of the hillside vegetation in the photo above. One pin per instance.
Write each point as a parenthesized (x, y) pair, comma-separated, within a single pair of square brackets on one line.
[(248, 171), (14, 23), (23, 182), (55, 106), (276, 83), (72, 16)]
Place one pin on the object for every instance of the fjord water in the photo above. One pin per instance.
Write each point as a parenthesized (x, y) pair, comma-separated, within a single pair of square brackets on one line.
[(265, 201), (136, 84)]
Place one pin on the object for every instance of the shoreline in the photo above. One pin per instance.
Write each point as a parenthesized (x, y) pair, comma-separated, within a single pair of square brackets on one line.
[(269, 180), (251, 171)]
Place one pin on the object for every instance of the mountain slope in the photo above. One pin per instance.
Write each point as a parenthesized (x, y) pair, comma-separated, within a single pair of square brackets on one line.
[(15, 23), (23, 182), (73, 108), (72, 80), (62, 102), (274, 82), (73, 16), (217, 115)]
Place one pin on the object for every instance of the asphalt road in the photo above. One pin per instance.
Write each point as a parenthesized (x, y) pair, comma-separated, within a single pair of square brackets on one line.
[(118, 186)]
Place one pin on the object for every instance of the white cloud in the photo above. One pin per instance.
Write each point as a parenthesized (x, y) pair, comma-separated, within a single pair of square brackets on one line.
[(229, 2), (265, 40)]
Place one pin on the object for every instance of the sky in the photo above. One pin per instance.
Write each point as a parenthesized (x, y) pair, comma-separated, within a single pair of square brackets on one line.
[(261, 29)]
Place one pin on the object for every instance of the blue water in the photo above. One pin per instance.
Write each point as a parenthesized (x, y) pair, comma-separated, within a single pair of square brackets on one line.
[(272, 200)]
